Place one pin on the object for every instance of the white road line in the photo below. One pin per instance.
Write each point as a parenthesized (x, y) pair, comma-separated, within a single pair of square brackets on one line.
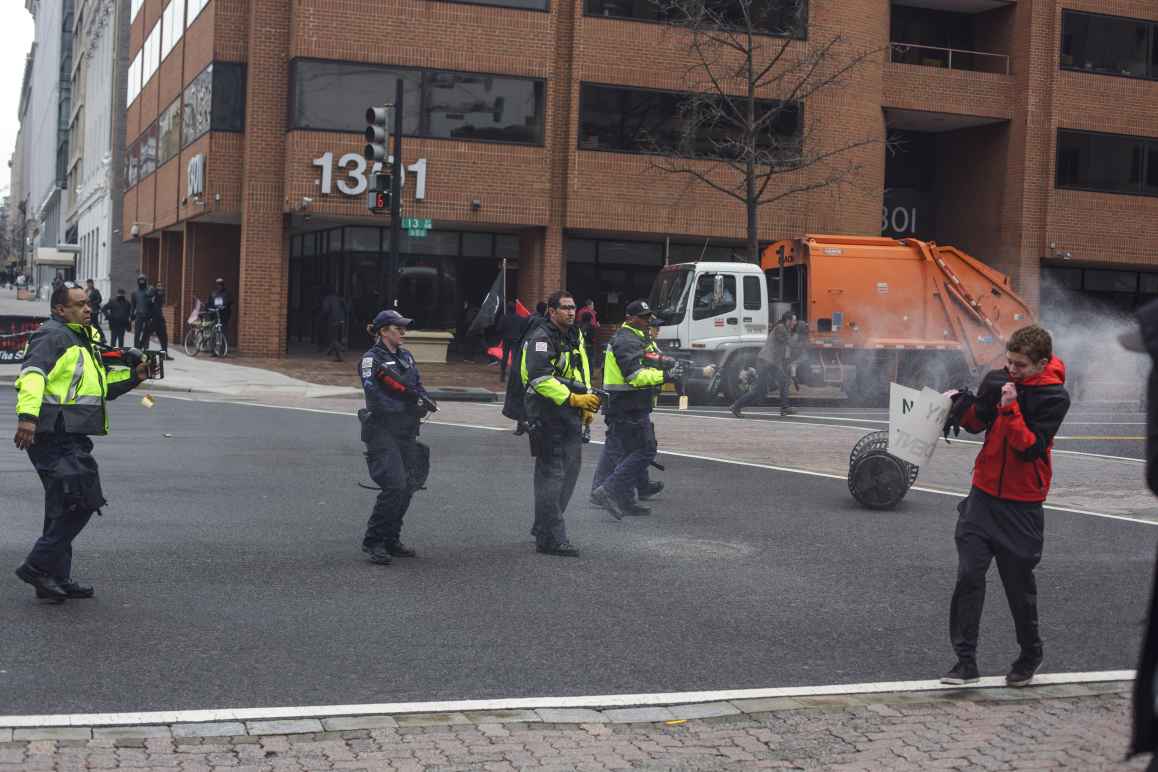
[(533, 703), (755, 465)]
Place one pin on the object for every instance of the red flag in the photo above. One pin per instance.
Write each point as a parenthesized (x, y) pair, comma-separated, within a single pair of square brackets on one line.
[(496, 351)]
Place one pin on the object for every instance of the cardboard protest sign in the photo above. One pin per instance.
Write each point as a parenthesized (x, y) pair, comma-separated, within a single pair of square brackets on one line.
[(915, 421)]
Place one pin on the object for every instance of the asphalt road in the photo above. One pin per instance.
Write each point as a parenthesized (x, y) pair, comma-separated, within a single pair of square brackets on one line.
[(229, 574), (1121, 434)]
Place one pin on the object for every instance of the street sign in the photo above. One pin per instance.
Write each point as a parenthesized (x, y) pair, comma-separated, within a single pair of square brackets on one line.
[(416, 227)]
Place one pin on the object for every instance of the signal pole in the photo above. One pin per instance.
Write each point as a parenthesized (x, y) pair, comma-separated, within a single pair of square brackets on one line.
[(395, 201)]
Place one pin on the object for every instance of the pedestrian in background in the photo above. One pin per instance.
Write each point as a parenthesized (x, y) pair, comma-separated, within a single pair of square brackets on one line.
[(333, 317), (588, 322), (221, 300), (510, 329), (119, 314), (156, 320), (772, 366), (141, 307), (1143, 339), (94, 304), (1020, 409)]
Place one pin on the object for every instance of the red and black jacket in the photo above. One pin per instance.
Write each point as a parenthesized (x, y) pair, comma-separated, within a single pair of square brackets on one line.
[(1014, 463)]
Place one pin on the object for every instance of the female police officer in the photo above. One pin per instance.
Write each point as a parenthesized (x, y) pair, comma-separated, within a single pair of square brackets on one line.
[(395, 404)]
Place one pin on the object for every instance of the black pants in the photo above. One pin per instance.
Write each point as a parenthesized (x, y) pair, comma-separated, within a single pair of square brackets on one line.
[(766, 375), (399, 466), (509, 347), (334, 336), (1012, 532), (629, 448), (72, 493), (140, 332), (116, 336), (156, 326), (556, 471)]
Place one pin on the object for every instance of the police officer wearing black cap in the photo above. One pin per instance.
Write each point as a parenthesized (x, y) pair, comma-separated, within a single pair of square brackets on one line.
[(396, 402), (634, 371)]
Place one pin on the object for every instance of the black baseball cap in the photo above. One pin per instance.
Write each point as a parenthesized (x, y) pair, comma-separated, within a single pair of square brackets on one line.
[(388, 317), (639, 308)]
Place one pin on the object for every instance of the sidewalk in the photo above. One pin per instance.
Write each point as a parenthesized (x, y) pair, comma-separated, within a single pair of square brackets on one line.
[(1080, 726)]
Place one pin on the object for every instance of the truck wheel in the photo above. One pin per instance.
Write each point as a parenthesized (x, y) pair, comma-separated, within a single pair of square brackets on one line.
[(734, 386), (868, 387)]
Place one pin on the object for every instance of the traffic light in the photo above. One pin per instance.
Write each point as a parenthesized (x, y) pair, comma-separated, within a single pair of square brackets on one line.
[(377, 134), (378, 199)]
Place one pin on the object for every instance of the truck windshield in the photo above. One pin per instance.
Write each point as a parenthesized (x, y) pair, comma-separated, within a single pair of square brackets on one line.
[(669, 294)]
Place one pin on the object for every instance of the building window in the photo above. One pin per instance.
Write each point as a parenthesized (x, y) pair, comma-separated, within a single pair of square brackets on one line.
[(169, 132), (195, 8), (228, 96), (772, 17), (172, 26), (460, 105), (148, 145), (133, 164), (1111, 45), (134, 84), (152, 54), (134, 8), (1107, 163), (333, 96), (526, 5), (197, 112), (631, 120)]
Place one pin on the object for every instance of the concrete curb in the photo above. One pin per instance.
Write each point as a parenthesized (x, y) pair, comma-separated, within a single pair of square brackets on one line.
[(316, 720)]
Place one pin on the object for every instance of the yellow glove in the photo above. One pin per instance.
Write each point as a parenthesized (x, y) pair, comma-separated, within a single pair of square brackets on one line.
[(584, 401), (588, 417)]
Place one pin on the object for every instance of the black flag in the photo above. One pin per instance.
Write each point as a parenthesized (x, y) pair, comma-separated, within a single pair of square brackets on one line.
[(490, 309)]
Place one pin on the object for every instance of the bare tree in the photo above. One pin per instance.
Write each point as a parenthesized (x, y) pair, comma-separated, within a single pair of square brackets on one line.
[(744, 123)]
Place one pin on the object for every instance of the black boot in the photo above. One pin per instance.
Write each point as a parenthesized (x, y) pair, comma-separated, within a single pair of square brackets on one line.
[(74, 590), (399, 550), (651, 489), (378, 554), (42, 582)]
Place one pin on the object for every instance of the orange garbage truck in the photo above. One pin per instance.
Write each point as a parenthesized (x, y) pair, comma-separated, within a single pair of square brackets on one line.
[(878, 310)]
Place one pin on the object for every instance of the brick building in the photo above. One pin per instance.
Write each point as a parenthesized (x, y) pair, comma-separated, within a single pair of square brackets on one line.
[(1026, 135)]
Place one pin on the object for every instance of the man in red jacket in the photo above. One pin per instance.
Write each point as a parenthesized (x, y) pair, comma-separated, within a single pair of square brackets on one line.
[(1020, 410)]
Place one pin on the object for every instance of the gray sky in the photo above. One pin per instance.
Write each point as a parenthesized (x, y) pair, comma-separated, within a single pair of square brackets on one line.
[(17, 25)]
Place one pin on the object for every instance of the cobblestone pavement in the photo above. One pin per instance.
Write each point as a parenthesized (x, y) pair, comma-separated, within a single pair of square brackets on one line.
[(1073, 726)]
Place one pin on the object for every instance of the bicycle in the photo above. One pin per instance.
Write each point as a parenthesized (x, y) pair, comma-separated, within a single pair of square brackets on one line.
[(207, 334)]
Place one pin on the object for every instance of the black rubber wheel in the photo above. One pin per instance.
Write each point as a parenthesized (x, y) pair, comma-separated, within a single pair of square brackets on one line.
[(876, 479)]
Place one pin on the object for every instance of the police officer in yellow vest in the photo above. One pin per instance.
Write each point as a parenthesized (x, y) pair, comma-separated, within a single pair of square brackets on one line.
[(63, 386), (634, 371), (555, 374)]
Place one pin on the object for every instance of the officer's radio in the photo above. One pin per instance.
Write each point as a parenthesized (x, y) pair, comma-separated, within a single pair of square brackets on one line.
[(132, 358)]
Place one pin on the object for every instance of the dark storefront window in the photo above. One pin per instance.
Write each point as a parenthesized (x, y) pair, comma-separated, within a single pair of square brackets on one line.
[(1110, 45), (772, 17), (441, 276), (169, 132), (198, 107), (333, 96), (1107, 163), (643, 121), (1069, 294), (614, 272)]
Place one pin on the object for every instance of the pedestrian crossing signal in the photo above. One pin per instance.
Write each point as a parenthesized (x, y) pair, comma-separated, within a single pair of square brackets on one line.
[(379, 201)]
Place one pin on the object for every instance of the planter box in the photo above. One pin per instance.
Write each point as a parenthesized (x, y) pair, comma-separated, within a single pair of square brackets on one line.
[(428, 345)]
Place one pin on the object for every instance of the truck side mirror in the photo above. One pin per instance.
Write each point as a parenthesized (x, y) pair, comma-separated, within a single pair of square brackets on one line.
[(718, 290)]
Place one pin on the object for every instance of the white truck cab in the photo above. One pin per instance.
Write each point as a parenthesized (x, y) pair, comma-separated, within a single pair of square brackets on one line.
[(710, 311)]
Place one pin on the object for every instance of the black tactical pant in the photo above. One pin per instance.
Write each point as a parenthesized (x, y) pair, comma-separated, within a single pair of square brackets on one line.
[(116, 335), (560, 454), (72, 492), (156, 326), (1012, 532), (628, 450), (141, 332), (399, 465)]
